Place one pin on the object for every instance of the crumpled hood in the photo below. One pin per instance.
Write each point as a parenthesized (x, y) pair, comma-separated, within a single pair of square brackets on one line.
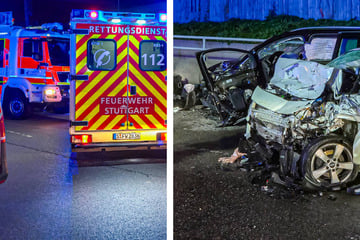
[(278, 104)]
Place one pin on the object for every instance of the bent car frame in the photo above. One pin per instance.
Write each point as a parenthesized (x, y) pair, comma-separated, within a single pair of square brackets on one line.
[(307, 120), (231, 75)]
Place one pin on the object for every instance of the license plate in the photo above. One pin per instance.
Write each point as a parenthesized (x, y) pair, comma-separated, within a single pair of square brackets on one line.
[(126, 136)]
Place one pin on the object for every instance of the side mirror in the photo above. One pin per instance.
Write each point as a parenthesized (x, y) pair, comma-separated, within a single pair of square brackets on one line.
[(42, 64)]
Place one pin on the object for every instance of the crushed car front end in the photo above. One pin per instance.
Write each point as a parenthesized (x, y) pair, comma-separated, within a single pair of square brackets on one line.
[(308, 126)]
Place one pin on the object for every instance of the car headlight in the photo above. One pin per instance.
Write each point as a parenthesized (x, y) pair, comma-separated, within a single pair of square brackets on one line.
[(50, 92)]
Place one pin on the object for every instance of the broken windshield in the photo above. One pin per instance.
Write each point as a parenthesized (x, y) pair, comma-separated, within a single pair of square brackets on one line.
[(349, 60)]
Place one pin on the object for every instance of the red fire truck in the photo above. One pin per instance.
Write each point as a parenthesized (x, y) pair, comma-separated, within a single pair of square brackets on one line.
[(118, 80), (34, 67)]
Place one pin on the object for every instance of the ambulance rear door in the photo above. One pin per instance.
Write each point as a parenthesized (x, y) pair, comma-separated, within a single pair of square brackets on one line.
[(147, 78)]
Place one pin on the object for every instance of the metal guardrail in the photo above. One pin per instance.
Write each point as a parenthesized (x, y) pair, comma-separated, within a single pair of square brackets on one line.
[(204, 39)]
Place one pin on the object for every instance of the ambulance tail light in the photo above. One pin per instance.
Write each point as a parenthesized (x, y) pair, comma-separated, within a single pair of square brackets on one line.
[(163, 17), (162, 137), (82, 139)]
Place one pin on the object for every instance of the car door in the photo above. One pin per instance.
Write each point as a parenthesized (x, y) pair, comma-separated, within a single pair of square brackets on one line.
[(223, 67)]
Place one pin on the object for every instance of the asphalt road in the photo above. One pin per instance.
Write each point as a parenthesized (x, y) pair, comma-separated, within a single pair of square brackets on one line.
[(54, 194), (211, 203)]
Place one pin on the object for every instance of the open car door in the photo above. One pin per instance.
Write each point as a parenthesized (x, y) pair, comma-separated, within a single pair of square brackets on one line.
[(230, 76)]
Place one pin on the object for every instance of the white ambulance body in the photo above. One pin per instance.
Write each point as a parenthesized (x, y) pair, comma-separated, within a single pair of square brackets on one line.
[(118, 80)]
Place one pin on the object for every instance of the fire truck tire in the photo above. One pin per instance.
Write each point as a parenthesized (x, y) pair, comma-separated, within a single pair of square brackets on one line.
[(16, 106)]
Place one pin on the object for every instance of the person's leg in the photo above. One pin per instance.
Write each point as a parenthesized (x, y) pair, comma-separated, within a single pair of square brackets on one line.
[(236, 155)]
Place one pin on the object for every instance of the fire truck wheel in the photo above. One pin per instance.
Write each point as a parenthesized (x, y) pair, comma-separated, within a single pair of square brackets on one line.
[(17, 106)]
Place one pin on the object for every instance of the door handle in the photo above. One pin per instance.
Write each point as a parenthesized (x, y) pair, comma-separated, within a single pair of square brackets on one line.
[(132, 90)]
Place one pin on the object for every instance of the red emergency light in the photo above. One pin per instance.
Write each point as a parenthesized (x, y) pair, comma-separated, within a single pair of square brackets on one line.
[(93, 14)]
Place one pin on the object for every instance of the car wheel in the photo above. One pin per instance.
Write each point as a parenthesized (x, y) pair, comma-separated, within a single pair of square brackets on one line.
[(327, 162), (17, 106)]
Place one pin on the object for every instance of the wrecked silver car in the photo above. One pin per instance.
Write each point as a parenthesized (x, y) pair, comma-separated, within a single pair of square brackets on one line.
[(231, 75), (307, 120)]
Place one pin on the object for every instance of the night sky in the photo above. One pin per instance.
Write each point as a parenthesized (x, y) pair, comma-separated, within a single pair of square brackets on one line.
[(44, 11)]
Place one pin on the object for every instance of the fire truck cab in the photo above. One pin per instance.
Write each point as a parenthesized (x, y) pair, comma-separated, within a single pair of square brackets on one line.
[(118, 80), (34, 67)]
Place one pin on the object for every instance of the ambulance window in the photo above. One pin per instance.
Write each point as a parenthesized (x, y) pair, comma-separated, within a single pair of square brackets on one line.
[(33, 49), (152, 55), (101, 54)]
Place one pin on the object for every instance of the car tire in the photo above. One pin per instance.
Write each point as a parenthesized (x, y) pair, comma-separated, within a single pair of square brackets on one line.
[(327, 162), (16, 106)]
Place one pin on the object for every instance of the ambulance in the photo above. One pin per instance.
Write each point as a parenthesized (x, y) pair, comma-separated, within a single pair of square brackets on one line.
[(34, 67), (117, 81)]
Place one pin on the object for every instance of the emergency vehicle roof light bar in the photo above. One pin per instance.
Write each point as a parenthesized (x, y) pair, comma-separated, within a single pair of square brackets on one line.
[(118, 17)]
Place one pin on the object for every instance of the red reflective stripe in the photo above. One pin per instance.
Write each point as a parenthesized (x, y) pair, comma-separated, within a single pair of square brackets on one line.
[(100, 83), (147, 91), (82, 41), (109, 120), (144, 119), (81, 57), (91, 107), (148, 77)]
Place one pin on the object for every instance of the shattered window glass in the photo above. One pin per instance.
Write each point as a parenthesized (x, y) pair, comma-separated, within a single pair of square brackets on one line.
[(292, 44), (230, 67)]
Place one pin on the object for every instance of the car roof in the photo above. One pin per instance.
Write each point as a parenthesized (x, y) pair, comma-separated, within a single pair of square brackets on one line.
[(331, 28), (308, 31)]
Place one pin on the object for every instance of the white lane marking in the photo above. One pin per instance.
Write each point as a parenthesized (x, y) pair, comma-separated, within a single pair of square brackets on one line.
[(20, 134)]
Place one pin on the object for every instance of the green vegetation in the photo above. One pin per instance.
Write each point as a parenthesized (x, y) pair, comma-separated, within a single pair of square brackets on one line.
[(254, 28)]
